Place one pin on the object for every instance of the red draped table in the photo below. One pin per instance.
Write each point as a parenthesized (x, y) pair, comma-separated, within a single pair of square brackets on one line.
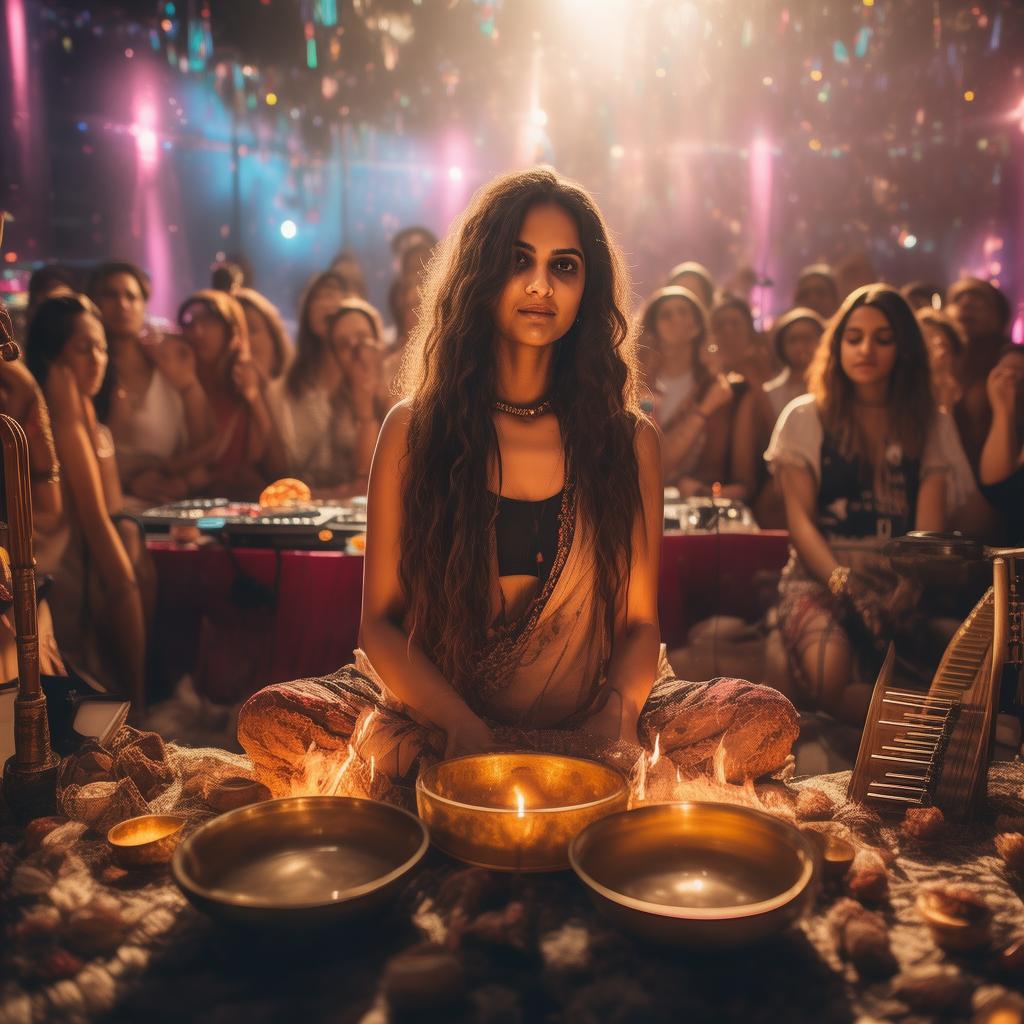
[(250, 616)]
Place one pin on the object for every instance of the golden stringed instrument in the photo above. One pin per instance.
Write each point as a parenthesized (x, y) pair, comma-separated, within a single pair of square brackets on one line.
[(29, 777), (931, 748)]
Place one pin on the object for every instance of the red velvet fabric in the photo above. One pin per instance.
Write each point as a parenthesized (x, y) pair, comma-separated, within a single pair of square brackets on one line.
[(290, 614)]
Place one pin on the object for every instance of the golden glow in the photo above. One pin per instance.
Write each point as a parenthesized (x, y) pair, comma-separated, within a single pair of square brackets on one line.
[(520, 803), (271, 99), (969, 95)]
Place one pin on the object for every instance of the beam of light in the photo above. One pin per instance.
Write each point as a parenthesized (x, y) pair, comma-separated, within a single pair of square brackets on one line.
[(455, 159), (21, 116), (150, 219), (17, 42), (761, 219), (144, 130)]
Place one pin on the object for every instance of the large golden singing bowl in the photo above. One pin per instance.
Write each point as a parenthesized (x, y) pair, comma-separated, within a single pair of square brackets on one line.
[(515, 812), (700, 875), (299, 860)]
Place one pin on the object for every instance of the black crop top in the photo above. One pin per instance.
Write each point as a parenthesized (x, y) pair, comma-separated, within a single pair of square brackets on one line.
[(526, 533), (847, 505)]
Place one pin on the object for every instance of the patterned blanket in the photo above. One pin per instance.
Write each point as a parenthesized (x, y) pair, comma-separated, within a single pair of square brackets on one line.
[(84, 940)]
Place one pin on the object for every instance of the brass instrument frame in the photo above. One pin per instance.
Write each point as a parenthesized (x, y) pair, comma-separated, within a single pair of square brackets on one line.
[(30, 775)]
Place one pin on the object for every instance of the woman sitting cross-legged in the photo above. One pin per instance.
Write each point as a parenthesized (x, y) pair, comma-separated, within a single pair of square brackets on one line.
[(514, 528), (866, 456)]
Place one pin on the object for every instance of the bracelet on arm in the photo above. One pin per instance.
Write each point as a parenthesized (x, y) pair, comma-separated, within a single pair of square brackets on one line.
[(838, 580)]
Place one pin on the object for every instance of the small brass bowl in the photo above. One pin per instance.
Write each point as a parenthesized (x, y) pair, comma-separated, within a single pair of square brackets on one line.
[(236, 791), (699, 875), (145, 841), (299, 861), (836, 854), (472, 806)]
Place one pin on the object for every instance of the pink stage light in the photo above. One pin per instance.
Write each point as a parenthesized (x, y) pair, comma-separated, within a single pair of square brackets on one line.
[(761, 219), (21, 115), (146, 140)]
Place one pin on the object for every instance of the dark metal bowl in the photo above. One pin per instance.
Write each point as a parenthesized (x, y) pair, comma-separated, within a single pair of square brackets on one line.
[(299, 860), (700, 875)]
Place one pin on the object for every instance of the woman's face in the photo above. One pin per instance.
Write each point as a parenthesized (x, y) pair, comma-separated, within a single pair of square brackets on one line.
[(940, 352), (322, 305), (818, 293), (695, 283), (261, 343), (85, 354), (867, 349), (731, 329), (205, 332), (676, 324), (542, 295), (348, 334), (799, 343), (977, 312), (122, 305)]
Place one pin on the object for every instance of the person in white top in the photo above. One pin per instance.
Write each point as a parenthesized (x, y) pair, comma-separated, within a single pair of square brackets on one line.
[(693, 406), (329, 406), (866, 456), (154, 407)]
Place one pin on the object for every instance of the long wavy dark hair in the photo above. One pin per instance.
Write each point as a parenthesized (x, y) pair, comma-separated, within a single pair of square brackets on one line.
[(910, 405), (450, 376)]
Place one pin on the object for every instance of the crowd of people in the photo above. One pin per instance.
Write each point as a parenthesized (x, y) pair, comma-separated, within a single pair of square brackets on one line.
[(856, 418)]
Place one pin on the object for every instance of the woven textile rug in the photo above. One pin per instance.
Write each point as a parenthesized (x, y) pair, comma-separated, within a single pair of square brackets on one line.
[(86, 941)]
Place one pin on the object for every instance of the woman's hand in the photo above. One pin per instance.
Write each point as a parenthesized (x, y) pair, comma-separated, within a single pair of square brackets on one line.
[(691, 487), (153, 485), (614, 721), (62, 395), (1002, 385), (176, 360), (719, 395), (468, 734), (364, 374), (248, 380)]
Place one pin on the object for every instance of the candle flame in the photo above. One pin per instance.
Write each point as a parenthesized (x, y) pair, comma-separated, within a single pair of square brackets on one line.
[(520, 802), (332, 786), (656, 753), (373, 768)]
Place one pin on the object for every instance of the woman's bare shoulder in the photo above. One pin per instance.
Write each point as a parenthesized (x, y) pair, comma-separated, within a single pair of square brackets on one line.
[(648, 443)]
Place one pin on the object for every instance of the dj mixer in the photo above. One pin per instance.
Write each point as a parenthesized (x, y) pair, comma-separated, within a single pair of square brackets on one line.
[(312, 526), (327, 526)]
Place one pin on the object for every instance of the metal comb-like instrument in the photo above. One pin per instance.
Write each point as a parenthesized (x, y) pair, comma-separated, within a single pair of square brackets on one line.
[(923, 748)]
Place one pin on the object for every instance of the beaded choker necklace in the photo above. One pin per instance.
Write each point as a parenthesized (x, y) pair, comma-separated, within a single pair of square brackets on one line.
[(526, 412)]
